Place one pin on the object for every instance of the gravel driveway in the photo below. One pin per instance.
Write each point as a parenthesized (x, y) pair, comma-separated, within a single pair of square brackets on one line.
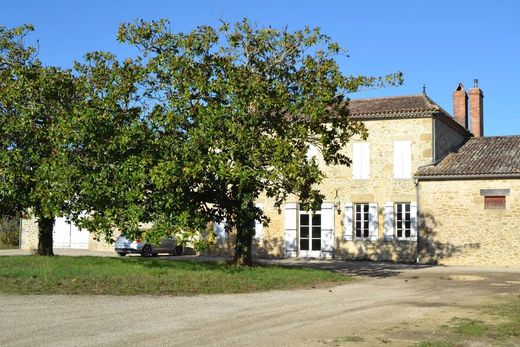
[(387, 303)]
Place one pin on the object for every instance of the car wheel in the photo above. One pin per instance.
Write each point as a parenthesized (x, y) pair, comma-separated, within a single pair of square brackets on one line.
[(121, 254), (146, 251), (179, 250)]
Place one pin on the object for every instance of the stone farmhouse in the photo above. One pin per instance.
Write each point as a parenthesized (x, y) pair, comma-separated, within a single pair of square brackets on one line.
[(424, 186)]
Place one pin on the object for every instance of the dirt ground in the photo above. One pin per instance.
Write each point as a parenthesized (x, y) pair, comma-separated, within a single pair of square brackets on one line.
[(390, 304)]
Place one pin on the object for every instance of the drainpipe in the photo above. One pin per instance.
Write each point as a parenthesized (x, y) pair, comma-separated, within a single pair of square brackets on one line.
[(20, 233), (417, 259)]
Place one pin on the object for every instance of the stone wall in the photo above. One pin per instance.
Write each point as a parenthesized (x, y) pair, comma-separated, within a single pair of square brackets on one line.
[(448, 137), (30, 238), (454, 227), (380, 188), (29, 234)]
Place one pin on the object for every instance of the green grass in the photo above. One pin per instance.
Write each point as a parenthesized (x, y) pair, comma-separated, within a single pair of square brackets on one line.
[(500, 325), (133, 276), (469, 327)]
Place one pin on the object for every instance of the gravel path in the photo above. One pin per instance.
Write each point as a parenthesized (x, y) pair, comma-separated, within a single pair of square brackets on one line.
[(385, 304)]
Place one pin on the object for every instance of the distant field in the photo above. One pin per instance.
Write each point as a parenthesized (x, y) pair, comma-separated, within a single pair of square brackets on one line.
[(134, 276)]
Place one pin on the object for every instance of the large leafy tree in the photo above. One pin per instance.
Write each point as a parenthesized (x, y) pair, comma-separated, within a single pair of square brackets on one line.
[(234, 110), (35, 102)]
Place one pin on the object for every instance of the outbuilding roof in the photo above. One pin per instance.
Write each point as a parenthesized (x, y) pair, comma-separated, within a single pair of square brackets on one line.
[(480, 156)]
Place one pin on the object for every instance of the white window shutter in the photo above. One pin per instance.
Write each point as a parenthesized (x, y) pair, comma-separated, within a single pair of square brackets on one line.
[(347, 222), (220, 230), (407, 159), (290, 228), (312, 152), (361, 160), (357, 155), (413, 221), (402, 159), (327, 230), (259, 226), (372, 224), (389, 221), (398, 160), (365, 160)]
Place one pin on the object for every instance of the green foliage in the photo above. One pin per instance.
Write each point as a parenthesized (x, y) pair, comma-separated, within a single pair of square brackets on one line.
[(234, 110), (136, 276), (191, 131), (34, 106)]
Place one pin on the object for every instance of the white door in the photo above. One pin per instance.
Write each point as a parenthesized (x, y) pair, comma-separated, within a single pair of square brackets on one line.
[(68, 235), (310, 234)]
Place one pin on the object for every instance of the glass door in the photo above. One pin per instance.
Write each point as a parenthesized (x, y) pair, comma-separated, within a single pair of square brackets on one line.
[(310, 234)]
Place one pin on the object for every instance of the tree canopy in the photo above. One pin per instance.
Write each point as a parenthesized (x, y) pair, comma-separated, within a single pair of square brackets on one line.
[(190, 131), (35, 102)]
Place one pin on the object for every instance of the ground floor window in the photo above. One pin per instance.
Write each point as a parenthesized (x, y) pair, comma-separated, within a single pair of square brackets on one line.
[(310, 230), (361, 220), (403, 220)]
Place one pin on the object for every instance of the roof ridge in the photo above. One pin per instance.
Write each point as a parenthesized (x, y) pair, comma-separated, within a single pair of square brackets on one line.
[(495, 137), (385, 97)]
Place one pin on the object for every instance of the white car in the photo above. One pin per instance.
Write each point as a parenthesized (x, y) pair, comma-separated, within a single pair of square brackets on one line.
[(123, 246)]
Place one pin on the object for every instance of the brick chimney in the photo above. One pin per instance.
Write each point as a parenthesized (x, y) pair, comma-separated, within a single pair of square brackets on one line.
[(476, 110), (460, 106)]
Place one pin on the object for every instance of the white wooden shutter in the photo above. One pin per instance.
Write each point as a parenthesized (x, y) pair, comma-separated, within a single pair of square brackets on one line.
[(407, 159), (220, 230), (365, 160), (398, 160), (327, 230), (361, 160), (373, 224), (259, 226), (413, 224), (347, 222), (312, 152), (290, 228), (389, 221), (402, 159), (357, 154)]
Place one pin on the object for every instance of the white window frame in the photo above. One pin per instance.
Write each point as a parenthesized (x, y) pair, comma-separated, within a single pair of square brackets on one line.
[(361, 160), (309, 252), (365, 220), (400, 218), (402, 159)]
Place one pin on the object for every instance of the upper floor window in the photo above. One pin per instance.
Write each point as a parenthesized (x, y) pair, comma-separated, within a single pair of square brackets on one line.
[(361, 160), (402, 159)]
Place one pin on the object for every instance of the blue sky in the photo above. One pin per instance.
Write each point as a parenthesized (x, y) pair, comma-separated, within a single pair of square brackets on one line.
[(437, 43)]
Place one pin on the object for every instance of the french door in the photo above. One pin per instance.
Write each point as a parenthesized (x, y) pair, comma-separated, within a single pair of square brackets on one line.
[(310, 234)]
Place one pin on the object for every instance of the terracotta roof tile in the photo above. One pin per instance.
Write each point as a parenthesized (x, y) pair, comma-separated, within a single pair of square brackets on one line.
[(481, 156), (411, 106)]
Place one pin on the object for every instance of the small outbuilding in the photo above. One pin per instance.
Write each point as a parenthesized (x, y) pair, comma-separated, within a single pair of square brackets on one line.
[(469, 204)]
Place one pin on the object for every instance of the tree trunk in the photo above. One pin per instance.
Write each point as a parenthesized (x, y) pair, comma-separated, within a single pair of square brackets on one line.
[(45, 227), (245, 229)]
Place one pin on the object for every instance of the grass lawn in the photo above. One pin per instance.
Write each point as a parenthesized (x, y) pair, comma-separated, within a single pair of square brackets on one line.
[(499, 326), (133, 276)]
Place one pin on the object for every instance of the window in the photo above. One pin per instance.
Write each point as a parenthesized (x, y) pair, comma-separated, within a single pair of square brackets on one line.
[(310, 231), (402, 159), (494, 202), (361, 220), (361, 160), (403, 221)]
